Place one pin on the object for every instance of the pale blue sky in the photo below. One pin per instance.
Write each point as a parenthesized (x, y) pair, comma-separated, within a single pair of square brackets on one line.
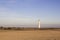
[(27, 12)]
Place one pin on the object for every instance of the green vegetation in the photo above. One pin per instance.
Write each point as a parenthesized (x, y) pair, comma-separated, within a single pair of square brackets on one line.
[(22, 28)]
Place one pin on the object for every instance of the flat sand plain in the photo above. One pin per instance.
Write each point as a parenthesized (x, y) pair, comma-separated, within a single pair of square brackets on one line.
[(30, 35)]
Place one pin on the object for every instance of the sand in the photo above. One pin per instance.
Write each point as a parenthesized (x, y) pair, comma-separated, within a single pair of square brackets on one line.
[(30, 35)]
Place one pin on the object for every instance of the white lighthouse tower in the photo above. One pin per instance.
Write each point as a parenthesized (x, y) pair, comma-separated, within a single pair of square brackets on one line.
[(39, 23)]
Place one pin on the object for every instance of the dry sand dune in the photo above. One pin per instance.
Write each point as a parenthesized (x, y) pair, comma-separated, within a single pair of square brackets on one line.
[(30, 35)]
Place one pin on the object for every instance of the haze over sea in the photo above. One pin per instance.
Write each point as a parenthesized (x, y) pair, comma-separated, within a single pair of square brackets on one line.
[(25, 13)]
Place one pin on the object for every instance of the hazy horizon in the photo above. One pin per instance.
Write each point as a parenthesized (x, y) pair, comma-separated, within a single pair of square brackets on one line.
[(27, 12)]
